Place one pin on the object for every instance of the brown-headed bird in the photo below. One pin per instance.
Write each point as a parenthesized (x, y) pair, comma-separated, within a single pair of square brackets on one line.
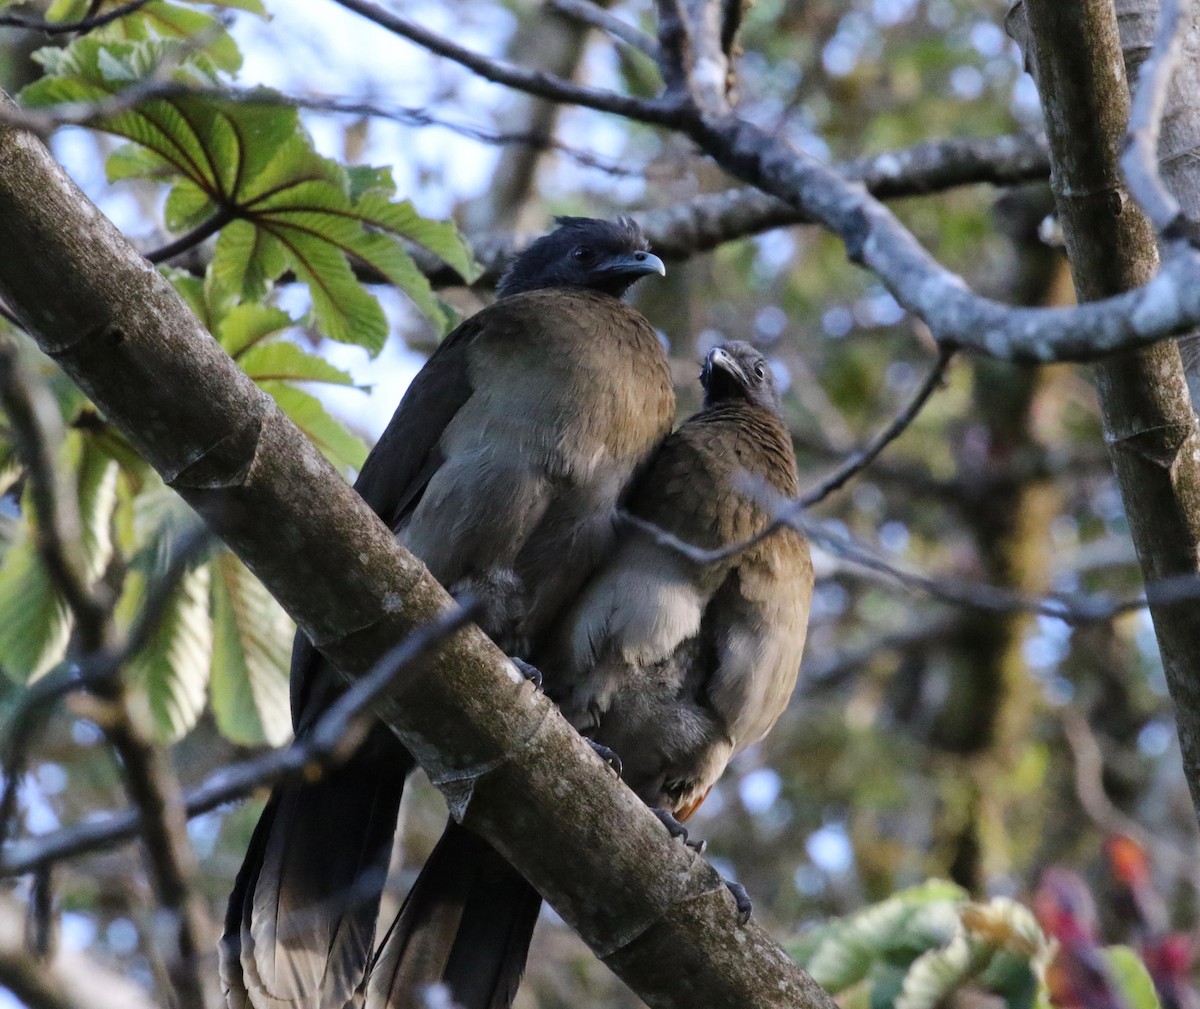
[(675, 665), (501, 469)]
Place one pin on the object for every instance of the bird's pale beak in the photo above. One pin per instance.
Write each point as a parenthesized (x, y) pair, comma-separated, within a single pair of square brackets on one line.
[(718, 358), (634, 264)]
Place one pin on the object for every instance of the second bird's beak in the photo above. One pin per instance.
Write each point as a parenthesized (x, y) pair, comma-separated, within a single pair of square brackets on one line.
[(718, 358), (634, 264)]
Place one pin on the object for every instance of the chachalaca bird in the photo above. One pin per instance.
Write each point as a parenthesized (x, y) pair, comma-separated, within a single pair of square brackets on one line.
[(675, 665), (501, 470)]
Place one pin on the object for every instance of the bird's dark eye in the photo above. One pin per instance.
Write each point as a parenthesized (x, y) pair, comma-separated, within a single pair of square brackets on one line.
[(760, 371), (582, 254)]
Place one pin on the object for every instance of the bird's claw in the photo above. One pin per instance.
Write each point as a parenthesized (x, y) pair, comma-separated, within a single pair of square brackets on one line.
[(677, 829), (531, 673), (740, 897), (607, 755)]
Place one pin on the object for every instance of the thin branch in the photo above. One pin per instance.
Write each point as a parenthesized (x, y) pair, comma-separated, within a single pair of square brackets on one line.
[(1094, 799), (37, 428), (597, 17), (85, 24), (331, 741), (863, 458), (193, 238), (149, 779), (1071, 608), (789, 513), (543, 85), (1140, 160), (690, 34)]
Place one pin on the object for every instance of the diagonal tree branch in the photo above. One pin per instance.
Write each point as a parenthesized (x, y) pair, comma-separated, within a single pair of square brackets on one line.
[(509, 764)]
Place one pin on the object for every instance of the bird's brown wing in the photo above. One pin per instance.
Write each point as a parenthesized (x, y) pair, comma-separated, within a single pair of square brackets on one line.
[(301, 917), (406, 455)]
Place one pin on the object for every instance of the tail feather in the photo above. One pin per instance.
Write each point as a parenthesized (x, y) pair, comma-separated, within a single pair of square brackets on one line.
[(467, 924), (300, 922)]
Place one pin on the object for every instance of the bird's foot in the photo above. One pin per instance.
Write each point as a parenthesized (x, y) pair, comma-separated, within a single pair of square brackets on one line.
[(744, 905), (607, 755), (677, 829), (531, 673)]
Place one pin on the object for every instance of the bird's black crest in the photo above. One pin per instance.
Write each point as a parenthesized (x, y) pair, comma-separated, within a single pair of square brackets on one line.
[(583, 252)]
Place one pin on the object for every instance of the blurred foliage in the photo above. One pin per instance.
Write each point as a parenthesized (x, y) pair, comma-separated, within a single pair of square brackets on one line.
[(926, 742)]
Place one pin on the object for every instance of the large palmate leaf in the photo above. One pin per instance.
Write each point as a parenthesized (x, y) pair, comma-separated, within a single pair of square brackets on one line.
[(248, 169)]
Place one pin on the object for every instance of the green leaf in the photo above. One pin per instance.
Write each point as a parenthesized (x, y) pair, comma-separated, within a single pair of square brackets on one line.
[(245, 261), (1131, 978), (329, 434), (172, 670), (245, 326), (187, 206), (402, 220), (35, 624), (251, 656), (343, 309), (283, 361), (132, 161)]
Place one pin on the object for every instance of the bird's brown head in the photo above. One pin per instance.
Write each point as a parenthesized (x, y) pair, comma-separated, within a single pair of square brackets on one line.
[(605, 256), (736, 371)]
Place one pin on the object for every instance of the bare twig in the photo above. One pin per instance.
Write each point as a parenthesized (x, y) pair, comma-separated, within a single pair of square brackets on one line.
[(861, 459), (65, 27), (149, 779), (543, 85), (1093, 797), (331, 741), (690, 34), (1140, 160), (789, 513), (597, 17), (37, 426), (1071, 608)]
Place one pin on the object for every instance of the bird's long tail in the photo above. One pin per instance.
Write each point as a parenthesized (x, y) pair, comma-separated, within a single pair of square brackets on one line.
[(466, 924), (300, 923)]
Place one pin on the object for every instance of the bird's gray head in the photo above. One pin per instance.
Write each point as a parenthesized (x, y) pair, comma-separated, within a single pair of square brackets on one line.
[(583, 252), (734, 371)]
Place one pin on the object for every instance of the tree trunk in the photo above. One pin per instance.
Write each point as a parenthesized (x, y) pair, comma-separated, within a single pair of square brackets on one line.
[(1148, 420)]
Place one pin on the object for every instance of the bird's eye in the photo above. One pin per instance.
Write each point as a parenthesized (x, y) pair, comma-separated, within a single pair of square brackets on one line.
[(760, 371), (582, 254)]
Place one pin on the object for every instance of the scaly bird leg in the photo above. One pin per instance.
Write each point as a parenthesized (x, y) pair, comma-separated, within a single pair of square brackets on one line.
[(677, 829), (744, 905), (607, 755), (531, 673)]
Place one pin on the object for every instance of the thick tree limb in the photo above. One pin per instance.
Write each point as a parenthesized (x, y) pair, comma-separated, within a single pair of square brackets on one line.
[(509, 764), (1149, 425)]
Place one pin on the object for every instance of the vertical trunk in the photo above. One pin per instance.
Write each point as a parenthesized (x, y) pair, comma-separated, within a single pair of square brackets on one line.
[(1148, 420)]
